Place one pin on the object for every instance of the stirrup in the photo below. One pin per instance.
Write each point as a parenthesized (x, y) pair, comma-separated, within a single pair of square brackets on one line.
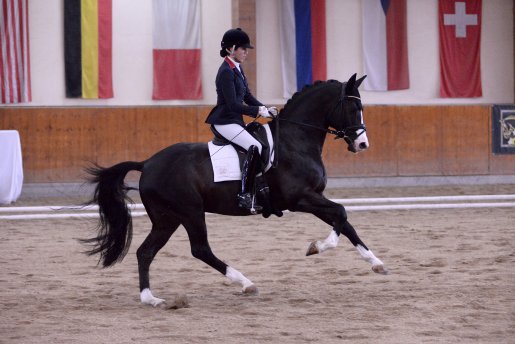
[(248, 201)]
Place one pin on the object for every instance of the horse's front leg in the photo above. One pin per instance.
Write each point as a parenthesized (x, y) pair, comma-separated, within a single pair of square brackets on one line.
[(320, 246), (334, 214), (364, 251)]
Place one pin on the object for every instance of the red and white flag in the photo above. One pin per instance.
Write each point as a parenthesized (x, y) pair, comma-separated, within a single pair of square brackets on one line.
[(385, 45), (176, 49), (460, 41), (14, 52)]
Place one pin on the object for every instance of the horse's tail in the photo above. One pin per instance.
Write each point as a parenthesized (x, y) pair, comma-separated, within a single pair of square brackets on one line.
[(115, 224)]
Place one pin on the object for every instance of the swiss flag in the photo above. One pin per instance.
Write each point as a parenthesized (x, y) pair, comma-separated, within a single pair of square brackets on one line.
[(460, 39)]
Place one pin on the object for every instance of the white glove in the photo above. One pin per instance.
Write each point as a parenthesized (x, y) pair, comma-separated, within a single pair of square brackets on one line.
[(273, 110), (263, 112)]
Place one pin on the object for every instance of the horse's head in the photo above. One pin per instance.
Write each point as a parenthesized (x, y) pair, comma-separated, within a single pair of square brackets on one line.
[(347, 117), (325, 105)]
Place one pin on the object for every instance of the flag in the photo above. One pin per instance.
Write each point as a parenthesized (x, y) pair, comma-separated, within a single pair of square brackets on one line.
[(176, 49), (14, 52), (88, 48), (460, 35), (385, 45), (303, 43)]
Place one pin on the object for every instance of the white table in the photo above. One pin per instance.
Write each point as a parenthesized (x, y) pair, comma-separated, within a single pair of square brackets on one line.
[(11, 166)]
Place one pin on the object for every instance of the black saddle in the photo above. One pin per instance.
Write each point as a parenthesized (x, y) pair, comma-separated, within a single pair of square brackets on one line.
[(257, 131)]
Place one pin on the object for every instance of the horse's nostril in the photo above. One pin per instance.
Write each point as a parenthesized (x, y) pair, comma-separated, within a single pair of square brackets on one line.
[(363, 145)]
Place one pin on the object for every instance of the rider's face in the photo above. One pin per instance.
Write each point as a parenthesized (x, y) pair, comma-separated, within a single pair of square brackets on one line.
[(240, 54)]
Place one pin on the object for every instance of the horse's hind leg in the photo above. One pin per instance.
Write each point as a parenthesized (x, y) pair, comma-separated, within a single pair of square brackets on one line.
[(200, 249), (157, 238)]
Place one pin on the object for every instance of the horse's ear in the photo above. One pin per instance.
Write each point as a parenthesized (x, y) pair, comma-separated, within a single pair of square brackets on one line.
[(350, 84), (360, 80)]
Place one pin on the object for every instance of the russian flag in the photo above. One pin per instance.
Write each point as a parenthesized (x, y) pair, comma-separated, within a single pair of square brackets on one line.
[(385, 45), (303, 43), (176, 49)]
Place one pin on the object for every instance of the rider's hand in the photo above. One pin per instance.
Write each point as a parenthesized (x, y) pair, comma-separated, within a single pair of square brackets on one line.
[(273, 111), (263, 112)]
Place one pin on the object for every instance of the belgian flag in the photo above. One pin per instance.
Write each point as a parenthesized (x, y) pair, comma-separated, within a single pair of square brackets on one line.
[(88, 48)]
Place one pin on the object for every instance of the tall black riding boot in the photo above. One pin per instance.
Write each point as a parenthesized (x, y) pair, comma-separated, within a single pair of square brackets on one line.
[(246, 198)]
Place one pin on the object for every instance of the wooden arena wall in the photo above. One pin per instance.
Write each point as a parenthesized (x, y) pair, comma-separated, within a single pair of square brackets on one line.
[(57, 143)]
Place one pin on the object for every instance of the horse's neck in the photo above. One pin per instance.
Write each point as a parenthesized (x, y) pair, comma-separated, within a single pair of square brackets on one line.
[(304, 132), (305, 126)]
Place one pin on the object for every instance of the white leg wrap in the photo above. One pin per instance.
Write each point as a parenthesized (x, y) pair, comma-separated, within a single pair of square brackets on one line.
[(330, 242), (237, 277), (148, 299), (368, 256)]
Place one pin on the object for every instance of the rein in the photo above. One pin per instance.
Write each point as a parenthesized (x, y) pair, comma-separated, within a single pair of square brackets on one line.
[(340, 134)]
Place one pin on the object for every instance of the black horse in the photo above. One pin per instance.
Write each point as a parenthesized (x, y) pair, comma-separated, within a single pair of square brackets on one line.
[(176, 185)]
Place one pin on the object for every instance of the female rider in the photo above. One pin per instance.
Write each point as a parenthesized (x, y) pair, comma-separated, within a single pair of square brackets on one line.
[(234, 99)]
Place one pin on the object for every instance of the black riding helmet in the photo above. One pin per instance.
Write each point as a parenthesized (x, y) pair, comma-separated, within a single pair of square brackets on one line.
[(234, 37)]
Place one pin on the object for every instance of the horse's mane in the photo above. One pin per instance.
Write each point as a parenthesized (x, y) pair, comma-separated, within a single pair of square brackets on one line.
[(305, 89)]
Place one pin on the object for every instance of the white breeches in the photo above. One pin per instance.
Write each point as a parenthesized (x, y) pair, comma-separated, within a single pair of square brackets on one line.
[(237, 134)]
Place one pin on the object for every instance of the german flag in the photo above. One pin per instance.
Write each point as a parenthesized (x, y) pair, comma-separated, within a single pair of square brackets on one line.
[(88, 48)]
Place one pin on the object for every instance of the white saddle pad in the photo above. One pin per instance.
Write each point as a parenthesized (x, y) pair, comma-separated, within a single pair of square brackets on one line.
[(225, 161)]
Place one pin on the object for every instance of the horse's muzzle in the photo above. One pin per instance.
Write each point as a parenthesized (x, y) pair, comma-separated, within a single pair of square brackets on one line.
[(359, 144), (363, 145)]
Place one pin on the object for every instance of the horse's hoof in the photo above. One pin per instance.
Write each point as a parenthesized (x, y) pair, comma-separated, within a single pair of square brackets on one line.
[(148, 299), (312, 249), (251, 290), (380, 269), (156, 302)]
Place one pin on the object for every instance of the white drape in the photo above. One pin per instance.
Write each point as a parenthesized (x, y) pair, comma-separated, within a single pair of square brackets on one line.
[(11, 167)]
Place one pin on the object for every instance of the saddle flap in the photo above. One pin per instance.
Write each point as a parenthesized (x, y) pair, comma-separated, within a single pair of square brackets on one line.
[(225, 161), (228, 167)]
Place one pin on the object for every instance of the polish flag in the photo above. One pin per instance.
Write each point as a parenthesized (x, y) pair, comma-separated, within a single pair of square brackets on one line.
[(303, 43), (176, 49), (385, 45), (460, 40)]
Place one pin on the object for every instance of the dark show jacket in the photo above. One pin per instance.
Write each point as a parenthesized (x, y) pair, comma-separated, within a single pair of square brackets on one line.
[(232, 90)]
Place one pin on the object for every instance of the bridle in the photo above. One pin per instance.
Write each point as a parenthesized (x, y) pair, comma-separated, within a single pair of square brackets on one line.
[(349, 134)]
